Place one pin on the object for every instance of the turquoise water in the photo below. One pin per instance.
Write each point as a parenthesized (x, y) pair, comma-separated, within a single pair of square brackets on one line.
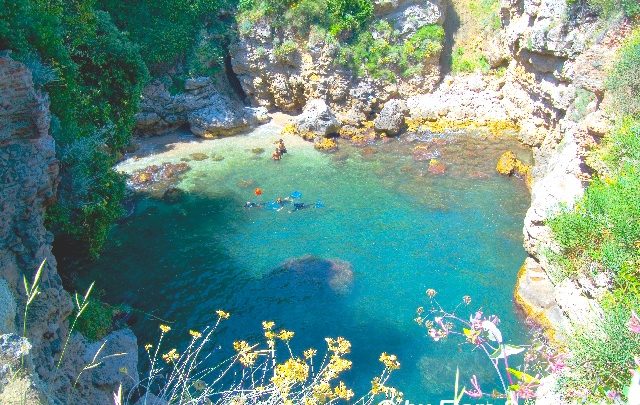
[(401, 229)]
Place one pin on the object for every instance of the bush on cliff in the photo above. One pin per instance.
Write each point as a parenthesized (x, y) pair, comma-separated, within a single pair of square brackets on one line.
[(337, 17), (380, 51), (94, 76), (602, 235), (168, 31)]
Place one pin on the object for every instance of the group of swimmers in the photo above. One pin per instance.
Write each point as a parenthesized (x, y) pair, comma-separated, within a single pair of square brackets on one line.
[(281, 202), (280, 150)]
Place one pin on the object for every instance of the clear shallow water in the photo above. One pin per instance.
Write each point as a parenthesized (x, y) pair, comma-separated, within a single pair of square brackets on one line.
[(402, 229)]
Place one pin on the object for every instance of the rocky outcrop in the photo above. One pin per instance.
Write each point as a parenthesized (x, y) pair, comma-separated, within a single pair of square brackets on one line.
[(28, 182), (317, 119), (282, 69), (390, 120), (205, 109)]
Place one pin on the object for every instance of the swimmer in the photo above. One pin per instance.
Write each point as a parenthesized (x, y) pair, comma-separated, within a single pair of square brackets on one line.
[(250, 204), (276, 155), (281, 147)]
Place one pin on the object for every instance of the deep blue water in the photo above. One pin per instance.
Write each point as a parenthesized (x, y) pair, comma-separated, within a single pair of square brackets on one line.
[(401, 229)]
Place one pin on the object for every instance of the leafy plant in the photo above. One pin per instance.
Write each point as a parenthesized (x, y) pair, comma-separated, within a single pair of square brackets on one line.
[(468, 62), (624, 81)]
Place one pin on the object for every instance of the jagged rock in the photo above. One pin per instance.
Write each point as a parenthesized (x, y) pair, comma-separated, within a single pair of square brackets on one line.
[(7, 309), (318, 119), (391, 119), (206, 109), (222, 117), (115, 370)]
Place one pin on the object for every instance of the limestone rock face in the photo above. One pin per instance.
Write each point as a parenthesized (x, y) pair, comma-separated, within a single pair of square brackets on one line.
[(208, 111), (391, 119), (318, 119), (309, 69)]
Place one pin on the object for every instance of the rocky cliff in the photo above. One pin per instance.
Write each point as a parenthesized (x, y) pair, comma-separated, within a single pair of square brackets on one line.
[(28, 181)]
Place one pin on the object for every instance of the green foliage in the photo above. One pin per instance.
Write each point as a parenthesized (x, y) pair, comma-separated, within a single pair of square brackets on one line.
[(381, 51), (94, 76), (338, 17), (285, 49), (486, 13), (610, 8), (624, 80), (468, 62), (97, 320), (601, 357), (168, 30), (583, 99)]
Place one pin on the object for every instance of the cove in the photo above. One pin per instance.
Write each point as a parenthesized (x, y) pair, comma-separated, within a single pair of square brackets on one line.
[(394, 228)]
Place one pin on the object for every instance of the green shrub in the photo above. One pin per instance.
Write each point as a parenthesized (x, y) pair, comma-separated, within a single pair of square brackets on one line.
[(381, 55), (486, 13), (338, 17), (285, 49), (601, 357), (610, 8), (96, 321), (624, 80), (167, 30), (465, 62)]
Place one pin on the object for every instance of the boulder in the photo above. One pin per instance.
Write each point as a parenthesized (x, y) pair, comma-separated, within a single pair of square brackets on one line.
[(317, 118), (390, 120), (115, 370), (224, 117), (312, 271), (173, 195)]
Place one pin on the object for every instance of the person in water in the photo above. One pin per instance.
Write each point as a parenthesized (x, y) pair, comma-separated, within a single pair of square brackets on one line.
[(251, 204), (277, 155), (281, 147)]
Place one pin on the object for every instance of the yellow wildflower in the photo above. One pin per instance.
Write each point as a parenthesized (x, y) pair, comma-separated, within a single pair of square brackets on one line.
[(165, 328), (339, 345), (285, 335), (309, 353), (195, 334), (343, 392), (466, 299), (268, 325), (171, 356), (246, 356), (148, 346), (323, 392), (223, 315), (390, 361)]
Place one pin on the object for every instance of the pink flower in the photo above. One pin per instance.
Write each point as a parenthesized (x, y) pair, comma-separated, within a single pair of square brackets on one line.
[(477, 391), (634, 323), (613, 395)]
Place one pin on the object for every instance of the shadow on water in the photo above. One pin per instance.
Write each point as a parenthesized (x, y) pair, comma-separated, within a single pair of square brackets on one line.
[(451, 26)]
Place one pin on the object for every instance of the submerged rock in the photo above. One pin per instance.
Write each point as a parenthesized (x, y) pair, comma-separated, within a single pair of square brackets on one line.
[(336, 273), (199, 156), (157, 174), (436, 167), (173, 195)]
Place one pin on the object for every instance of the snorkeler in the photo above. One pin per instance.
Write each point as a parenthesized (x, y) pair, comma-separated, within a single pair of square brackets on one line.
[(251, 204)]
